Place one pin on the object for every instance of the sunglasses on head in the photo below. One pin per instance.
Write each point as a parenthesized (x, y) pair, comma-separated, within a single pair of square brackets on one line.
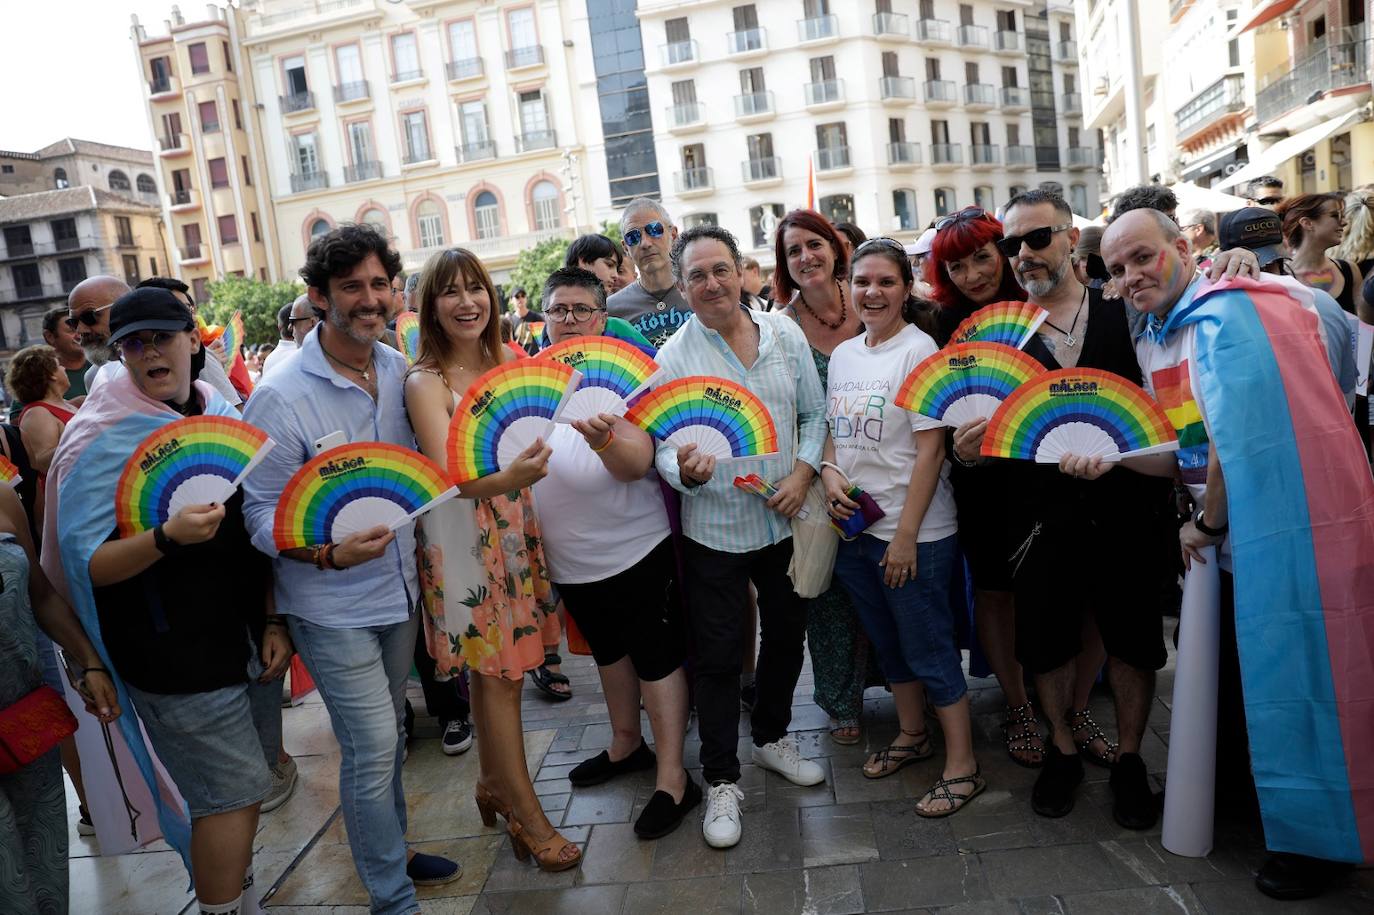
[(1035, 239), (89, 318), (891, 244), (635, 236), (965, 214)]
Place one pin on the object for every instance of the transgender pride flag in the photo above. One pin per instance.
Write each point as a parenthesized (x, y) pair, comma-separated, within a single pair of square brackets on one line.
[(1301, 504)]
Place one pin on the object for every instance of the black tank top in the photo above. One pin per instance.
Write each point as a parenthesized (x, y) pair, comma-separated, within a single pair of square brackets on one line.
[(1347, 297)]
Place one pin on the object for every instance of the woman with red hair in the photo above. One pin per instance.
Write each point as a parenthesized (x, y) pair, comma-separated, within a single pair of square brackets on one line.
[(966, 272), (809, 285)]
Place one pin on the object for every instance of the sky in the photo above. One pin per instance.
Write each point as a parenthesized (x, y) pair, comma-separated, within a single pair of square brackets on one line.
[(67, 69)]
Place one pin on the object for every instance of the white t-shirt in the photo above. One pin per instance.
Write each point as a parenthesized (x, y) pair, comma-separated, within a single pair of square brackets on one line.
[(283, 350), (1169, 371), (594, 525), (875, 440)]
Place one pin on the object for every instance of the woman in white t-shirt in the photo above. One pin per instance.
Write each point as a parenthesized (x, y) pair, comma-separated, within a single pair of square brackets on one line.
[(609, 550), (898, 570)]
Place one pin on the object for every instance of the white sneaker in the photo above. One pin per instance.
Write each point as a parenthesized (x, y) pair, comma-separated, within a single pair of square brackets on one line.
[(721, 826), (783, 758)]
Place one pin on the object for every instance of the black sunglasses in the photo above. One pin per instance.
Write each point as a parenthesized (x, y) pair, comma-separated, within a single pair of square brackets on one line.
[(1269, 201), (1035, 239), (966, 213), (89, 318)]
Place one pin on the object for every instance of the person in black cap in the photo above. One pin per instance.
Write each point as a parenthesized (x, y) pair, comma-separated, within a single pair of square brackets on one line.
[(1260, 231), (186, 653)]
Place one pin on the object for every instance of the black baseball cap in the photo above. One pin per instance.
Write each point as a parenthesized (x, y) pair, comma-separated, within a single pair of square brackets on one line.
[(1255, 229), (148, 308)]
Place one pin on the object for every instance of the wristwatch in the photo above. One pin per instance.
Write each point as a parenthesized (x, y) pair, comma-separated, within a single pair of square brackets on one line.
[(165, 545), (1213, 532)]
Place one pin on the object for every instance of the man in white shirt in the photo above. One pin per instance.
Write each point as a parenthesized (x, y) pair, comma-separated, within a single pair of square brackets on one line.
[(733, 538), (286, 343)]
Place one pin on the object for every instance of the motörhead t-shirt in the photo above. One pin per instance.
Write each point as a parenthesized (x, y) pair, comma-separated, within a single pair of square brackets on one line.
[(657, 317)]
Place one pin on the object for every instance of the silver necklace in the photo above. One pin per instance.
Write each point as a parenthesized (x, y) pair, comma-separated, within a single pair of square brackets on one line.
[(1069, 339)]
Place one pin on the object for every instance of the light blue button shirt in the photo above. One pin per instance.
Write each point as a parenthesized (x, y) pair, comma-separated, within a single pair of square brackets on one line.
[(302, 401), (719, 515)]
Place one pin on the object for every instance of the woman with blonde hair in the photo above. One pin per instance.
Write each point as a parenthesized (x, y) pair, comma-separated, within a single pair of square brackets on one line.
[(483, 578), (1358, 244)]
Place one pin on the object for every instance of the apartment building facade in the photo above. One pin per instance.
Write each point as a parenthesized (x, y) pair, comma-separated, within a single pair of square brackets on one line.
[(1210, 91), (80, 163), (901, 112), (213, 195), (53, 239), (444, 122), (1312, 109)]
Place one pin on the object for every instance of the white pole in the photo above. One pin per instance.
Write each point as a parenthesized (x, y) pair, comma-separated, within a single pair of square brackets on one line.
[(1134, 88), (1190, 787)]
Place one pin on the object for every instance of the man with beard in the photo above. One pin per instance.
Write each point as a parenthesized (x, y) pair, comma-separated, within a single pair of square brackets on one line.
[(88, 305), (356, 631), (1090, 553)]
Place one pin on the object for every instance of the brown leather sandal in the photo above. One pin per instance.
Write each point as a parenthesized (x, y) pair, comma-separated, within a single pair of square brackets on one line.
[(548, 854)]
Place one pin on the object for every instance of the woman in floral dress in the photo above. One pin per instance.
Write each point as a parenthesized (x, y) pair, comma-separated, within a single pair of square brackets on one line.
[(486, 589)]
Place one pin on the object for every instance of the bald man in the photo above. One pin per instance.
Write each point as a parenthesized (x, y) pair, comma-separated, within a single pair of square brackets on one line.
[(1241, 372), (304, 317), (89, 306)]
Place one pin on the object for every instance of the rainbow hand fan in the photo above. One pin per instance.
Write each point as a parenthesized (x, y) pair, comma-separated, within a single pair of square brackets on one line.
[(504, 412), (198, 460), (408, 335), (613, 374), (233, 338), (355, 487), (718, 416), (1008, 323), (965, 381), (1087, 412), (8, 472)]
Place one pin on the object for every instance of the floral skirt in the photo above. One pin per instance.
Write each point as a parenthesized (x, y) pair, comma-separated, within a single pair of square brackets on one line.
[(487, 599)]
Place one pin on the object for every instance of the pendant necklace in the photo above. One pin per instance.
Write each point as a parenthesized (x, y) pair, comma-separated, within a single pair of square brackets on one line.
[(1069, 339), (843, 309), (362, 371)]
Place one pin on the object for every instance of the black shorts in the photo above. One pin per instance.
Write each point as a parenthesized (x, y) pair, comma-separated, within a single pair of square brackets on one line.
[(1070, 572), (637, 612)]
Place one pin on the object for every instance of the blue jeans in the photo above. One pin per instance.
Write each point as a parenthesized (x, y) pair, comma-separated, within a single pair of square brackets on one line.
[(911, 626), (361, 675)]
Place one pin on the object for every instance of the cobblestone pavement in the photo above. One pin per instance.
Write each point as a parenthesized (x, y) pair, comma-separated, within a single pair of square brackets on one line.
[(850, 845)]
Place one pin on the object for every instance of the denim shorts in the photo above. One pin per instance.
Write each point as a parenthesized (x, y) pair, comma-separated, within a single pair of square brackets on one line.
[(208, 744), (911, 627)]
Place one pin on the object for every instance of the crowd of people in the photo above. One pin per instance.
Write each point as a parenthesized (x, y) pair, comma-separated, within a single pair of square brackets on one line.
[(671, 575)]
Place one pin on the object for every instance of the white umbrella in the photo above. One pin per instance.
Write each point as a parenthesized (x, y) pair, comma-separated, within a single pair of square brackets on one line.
[(1192, 197)]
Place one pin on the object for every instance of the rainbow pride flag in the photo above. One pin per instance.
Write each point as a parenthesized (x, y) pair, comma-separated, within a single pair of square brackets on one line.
[(1301, 503)]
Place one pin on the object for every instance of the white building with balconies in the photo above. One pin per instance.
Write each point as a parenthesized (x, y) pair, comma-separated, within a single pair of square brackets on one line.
[(899, 116)]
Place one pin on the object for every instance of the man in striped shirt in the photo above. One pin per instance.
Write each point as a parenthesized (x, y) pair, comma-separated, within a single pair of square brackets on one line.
[(734, 537)]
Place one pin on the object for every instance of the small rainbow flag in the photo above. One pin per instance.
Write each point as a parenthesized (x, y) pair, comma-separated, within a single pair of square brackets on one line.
[(408, 335), (504, 412), (613, 374), (1009, 323), (965, 381), (355, 487), (199, 460), (1087, 412), (717, 415)]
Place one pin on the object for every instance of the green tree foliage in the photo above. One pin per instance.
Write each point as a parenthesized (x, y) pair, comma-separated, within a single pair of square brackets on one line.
[(533, 265), (258, 301)]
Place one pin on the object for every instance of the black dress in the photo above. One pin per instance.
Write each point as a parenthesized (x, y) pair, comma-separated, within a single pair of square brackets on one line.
[(1099, 547)]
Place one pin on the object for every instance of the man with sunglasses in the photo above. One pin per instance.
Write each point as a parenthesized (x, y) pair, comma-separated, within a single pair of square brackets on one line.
[(1089, 554), (1266, 192), (88, 308), (59, 332), (653, 304)]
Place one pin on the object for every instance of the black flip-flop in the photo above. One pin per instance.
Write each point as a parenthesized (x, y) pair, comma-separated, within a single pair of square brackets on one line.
[(544, 679)]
